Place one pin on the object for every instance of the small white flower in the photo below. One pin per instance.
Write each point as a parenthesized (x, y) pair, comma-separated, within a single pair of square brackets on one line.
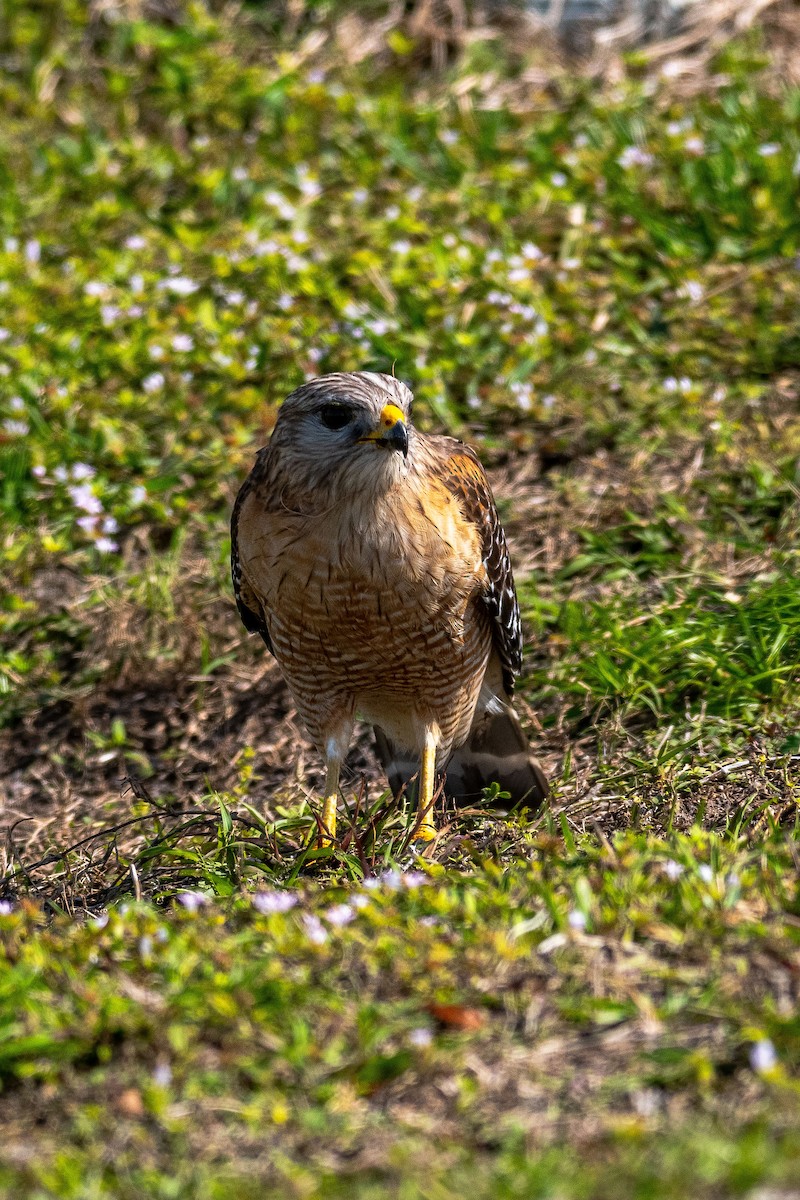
[(283, 207), (768, 149), (152, 383), (110, 525), (685, 384), (81, 470), (558, 179), (11, 245), (285, 302), (106, 545), (33, 251), (315, 931), (420, 1038), (339, 914), (705, 873), (145, 946), (449, 137), (16, 428), (4, 335), (530, 251), (692, 289), (87, 524), (401, 247), (240, 174), (310, 189), (16, 404), (84, 498), (191, 901), (414, 879), (183, 343), (634, 156), (273, 902), (135, 242), (695, 145), (100, 922), (60, 474), (673, 870), (763, 1057), (39, 472), (523, 394), (670, 384), (576, 919), (360, 196), (162, 1074), (6, 908), (180, 285), (94, 288)]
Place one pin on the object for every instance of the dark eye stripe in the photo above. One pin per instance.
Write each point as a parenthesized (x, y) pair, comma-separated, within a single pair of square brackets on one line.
[(335, 416)]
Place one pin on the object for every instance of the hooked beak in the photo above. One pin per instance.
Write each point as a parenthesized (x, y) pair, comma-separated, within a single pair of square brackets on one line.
[(392, 432)]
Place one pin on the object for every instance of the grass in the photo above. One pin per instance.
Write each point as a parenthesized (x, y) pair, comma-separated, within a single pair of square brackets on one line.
[(597, 285)]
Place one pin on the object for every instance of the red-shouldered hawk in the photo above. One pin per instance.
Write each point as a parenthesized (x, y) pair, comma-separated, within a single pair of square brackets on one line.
[(371, 559)]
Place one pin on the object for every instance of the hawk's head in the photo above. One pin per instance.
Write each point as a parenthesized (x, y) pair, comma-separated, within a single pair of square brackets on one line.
[(347, 430)]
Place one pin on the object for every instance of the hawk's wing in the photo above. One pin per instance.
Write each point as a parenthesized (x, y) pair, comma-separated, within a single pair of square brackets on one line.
[(464, 476), (246, 601)]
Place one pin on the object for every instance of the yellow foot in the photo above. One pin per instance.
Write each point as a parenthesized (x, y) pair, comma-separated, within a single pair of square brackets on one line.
[(425, 831)]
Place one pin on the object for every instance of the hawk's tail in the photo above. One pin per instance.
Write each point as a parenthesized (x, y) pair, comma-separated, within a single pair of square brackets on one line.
[(496, 751)]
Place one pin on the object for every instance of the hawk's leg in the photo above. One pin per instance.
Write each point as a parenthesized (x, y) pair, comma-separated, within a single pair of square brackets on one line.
[(425, 830), (327, 834), (335, 750)]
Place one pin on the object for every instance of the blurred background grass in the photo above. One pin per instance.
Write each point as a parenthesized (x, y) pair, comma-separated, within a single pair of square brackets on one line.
[(579, 246)]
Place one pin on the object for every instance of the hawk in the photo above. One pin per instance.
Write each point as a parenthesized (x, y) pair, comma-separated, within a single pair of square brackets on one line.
[(371, 559)]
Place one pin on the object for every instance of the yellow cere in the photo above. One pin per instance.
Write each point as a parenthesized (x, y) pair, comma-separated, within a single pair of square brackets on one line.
[(390, 415)]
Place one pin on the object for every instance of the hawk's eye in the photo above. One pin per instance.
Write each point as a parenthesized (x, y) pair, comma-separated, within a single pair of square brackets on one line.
[(335, 416)]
